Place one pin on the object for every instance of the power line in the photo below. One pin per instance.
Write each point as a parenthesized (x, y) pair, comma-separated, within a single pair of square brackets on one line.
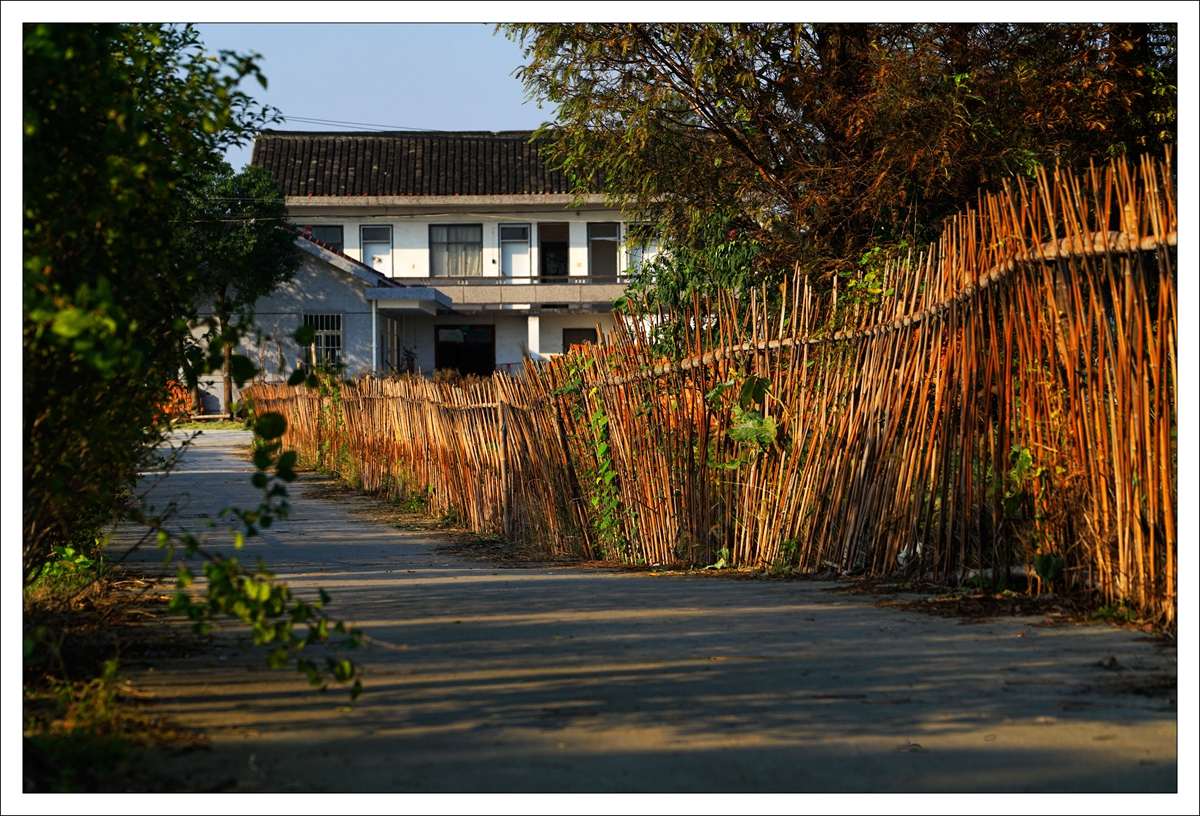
[(340, 123)]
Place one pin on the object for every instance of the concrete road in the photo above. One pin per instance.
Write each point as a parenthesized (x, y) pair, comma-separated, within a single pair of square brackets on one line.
[(568, 679)]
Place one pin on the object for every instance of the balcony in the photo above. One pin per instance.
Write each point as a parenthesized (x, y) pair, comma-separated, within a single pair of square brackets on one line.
[(533, 293)]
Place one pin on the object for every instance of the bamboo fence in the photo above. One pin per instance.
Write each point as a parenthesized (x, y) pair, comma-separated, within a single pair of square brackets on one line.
[(1007, 394)]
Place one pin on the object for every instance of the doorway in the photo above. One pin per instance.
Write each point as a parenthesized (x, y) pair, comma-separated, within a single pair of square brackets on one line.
[(377, 249), (554, 250), (514, 250), (467, 349)]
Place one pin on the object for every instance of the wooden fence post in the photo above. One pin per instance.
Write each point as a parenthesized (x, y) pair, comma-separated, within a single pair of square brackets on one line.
[(506, 509)]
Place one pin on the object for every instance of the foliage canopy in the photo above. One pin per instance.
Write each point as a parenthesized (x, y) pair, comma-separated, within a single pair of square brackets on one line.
[(129, 216), (242, 246), (814, 143), (118, 123)]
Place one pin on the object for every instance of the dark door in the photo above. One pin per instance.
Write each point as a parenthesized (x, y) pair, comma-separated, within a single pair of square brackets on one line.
[(469, 349), (553, 250), (577, 337)]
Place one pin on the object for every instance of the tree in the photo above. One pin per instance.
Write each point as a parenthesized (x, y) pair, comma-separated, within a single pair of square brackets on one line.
[(813, 144), (123, 129), (118, 123), (244, 249)]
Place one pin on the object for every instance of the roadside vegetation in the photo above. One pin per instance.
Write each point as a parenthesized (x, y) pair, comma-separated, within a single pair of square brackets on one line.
[(123, 236), (82, 722), (210, 425)]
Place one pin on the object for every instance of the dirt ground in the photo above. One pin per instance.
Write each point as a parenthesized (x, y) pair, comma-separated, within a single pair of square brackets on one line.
[(486, 674)]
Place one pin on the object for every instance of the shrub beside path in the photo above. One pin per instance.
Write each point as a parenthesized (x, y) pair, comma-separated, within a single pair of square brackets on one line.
[(503, 677)]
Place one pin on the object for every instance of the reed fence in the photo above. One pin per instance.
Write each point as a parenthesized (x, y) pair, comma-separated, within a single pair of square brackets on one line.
[(1005, 398)]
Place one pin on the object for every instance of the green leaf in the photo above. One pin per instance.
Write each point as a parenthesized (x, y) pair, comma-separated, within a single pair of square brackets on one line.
[(342, 670), (305, 335), (271, 425), (719, 389), (241, 369), (1049, 566), (753, 428), (731, 465), (754, 390), (297, 377)]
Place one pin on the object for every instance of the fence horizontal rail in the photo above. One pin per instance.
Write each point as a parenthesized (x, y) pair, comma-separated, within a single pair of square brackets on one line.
[(1004, 398)]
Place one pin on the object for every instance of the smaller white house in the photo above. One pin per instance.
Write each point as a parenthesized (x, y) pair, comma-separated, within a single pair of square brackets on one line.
[(429, 251), (338, 296)]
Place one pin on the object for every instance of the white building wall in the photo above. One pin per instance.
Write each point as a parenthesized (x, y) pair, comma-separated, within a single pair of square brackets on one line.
[(317, 288), (578, 248), (410, 234), (410, 249), (552, 325)]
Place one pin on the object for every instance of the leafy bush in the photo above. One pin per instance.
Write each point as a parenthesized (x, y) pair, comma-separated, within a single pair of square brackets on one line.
[(119, 122)]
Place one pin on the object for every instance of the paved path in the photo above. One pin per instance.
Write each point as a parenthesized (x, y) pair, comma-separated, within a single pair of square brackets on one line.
[(561, 679)]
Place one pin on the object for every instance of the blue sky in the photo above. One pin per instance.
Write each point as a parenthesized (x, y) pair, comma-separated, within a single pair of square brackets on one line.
[(402, 75)]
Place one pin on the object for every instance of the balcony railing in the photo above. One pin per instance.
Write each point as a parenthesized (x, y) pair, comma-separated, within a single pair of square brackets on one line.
[(476, 280)]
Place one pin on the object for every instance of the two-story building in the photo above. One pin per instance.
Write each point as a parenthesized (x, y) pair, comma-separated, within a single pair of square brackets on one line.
[(481, 254)]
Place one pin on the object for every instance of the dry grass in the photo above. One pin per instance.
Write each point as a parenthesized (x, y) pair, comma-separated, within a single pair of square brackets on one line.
[(83, 724)]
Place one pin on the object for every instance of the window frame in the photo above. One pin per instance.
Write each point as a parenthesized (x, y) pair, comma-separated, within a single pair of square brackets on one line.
[(432, 254), (338, 246), (438, 344), (615, 240), (324, 334), (527, 243), (638, 246), (391, 243), (544, 254)]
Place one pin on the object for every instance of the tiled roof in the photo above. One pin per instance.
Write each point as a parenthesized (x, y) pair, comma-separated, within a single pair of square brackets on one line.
[(406, 164)]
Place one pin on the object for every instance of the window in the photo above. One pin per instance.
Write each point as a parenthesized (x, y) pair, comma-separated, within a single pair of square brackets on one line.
[(456, 250), (326, 348), (330, 236), (514, 250), (603, 240), (643, 245), (577, 337), (377, 248)]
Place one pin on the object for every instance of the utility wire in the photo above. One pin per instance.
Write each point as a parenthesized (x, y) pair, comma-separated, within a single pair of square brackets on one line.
[(340, 123)]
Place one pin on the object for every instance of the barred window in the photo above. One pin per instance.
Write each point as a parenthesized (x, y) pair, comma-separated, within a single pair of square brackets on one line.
[(326, 348), (456, 250)]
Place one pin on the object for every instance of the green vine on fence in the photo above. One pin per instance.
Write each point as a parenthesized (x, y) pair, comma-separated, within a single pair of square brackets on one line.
[(605, 499)]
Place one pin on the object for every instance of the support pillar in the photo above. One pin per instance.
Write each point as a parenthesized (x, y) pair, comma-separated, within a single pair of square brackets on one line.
[(533, 340), (374, 338)]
